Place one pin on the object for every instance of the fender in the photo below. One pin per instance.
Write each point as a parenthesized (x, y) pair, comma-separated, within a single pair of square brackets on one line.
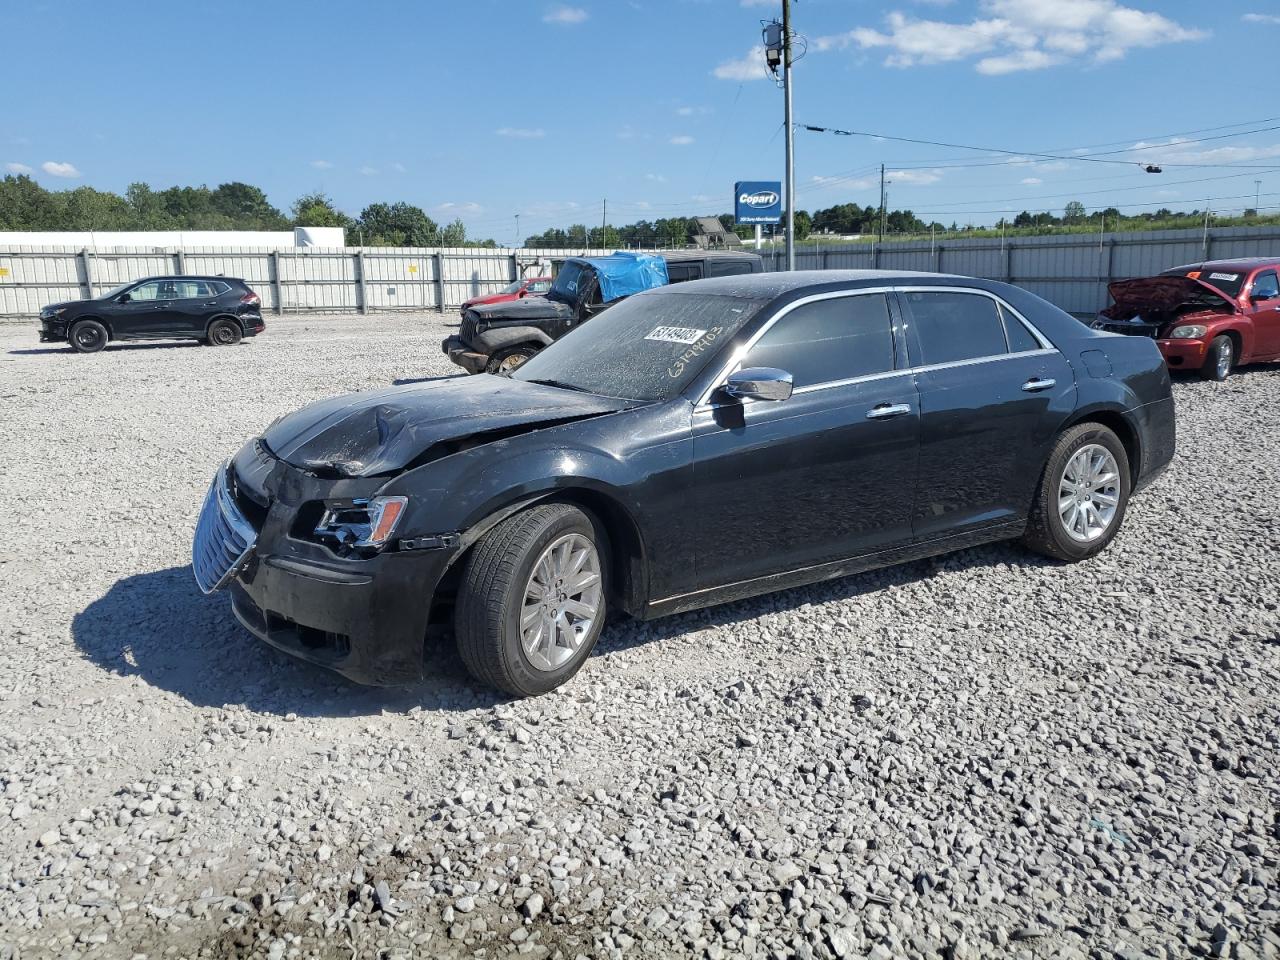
[(499, 338)]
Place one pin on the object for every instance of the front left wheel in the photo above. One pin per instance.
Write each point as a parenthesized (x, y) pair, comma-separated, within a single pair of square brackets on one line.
[(88, 336), (531, 603)]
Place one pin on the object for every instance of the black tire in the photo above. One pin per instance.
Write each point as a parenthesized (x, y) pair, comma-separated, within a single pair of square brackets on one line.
[(1219, 359), (88, 336), (1047, 531), (504, 361), (224, 333), (491, 599)]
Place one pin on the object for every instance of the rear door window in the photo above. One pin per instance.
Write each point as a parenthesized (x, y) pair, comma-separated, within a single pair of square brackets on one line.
[(1019, 337), (680, 272), (728, 268), (951, 326), (834, 339)]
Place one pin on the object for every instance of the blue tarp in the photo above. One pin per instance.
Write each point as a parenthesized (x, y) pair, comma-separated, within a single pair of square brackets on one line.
[(622, 274)]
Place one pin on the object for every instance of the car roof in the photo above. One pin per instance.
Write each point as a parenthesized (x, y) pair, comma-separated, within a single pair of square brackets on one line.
[(1242, 264), (681, 256), (766, 286), (188, 276)]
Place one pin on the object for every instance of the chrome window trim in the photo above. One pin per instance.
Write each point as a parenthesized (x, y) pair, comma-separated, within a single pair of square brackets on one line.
[(1040, 338), (735, 361), (1046, 347)]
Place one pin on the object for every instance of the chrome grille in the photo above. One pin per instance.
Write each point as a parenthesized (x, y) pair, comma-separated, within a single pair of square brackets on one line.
[(224, 538)]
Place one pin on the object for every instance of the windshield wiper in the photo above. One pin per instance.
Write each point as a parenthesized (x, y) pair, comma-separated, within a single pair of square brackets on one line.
[(562, 385)]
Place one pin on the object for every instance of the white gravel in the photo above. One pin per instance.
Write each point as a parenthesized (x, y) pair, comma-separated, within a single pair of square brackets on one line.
[(980, 755)]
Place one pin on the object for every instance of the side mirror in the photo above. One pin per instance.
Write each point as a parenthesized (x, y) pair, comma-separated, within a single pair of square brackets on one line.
[(524, 292), (123, 298), (759, 383)]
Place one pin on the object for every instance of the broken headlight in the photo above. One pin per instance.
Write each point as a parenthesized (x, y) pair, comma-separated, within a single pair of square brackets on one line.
[(362, 523), (1188, 331)]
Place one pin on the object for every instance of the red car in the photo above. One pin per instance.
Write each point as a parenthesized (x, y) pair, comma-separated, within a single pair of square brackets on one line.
[(528, 287), (1205, 316)]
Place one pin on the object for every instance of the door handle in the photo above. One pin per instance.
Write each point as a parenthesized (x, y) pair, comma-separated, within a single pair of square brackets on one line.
[(1036, 384), (884, 411)]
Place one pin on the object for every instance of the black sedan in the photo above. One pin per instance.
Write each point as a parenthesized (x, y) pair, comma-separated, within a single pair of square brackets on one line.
[(218, 311), (695, 444)]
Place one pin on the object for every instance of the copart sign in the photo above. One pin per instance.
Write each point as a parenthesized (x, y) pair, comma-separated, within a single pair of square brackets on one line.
[(757, 201)]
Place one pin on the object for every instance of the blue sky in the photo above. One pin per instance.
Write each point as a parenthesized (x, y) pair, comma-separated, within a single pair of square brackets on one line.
[(490, 108)]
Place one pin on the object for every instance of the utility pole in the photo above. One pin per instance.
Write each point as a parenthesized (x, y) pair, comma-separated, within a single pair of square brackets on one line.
[(517, 230), (882, 202), (1257, 195), (604, 222), (791, 147)]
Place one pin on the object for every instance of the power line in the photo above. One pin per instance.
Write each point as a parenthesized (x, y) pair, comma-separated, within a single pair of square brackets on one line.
[(1081, 158)]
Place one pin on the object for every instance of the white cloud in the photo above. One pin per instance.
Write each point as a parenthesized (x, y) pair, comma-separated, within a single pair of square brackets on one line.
[(918, 178), (762, 3), (399, 167), (521, 133), (321, 164), (748, 67), (453, 208), (655, 177), (692, 111), (1178, 150), (369, 171), (18, 168), (1031, 181), (1016, 35), (681, 140), (1261, 18), (565, 15), (55, 169)]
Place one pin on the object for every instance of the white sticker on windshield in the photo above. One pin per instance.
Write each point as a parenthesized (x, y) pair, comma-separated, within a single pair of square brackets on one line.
[(675, 334), (1224, 276)]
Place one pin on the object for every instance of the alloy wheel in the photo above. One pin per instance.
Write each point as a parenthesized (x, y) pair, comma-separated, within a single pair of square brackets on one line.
[(1224, 359), (1089, 493), (562, 600)]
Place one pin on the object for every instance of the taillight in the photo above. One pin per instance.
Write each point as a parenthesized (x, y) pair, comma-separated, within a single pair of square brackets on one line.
[(251, 299)]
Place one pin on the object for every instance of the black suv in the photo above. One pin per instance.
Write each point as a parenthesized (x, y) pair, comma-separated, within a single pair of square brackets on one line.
[(218, 311), (498, 337)]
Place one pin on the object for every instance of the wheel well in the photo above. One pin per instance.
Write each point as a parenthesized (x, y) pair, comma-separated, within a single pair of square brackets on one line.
[(223, 316), (1117, 424), (627, 580)]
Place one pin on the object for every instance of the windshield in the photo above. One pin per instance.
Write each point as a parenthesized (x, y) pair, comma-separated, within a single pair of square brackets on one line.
[(647, 347), (117, 291), (571, 278), (513, 287), (1229, 282)]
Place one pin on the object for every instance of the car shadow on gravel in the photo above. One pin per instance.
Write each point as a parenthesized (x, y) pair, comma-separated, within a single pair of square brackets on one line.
[(631, 633), (160, 628), (112, 347)]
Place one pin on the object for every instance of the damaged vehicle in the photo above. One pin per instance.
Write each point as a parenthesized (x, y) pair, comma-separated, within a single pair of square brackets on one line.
[(515, 290), (1205, 317), (497, 338), (696, 444)]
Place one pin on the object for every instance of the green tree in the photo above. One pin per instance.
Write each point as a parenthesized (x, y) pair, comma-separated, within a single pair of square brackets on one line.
[(396, 225), (247, 206), (454, 234), (317, 210), (1073, 212), (25, 205)]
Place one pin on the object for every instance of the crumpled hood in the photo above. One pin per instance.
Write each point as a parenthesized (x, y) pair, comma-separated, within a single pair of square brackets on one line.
[(382, 431), (1164, 293), (489, 298), (530, 308), (50, 308)]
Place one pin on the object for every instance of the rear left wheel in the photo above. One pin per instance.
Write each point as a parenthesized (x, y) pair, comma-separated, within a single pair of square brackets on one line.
[(224, 333), (1082, 497), (531, 603)]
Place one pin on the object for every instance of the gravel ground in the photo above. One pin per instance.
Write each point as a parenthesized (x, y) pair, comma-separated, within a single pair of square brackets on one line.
[(984, 754)]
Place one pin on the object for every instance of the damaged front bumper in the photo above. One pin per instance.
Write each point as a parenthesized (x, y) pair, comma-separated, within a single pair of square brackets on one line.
[(365, 618), (469, 360), (53, 331)]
